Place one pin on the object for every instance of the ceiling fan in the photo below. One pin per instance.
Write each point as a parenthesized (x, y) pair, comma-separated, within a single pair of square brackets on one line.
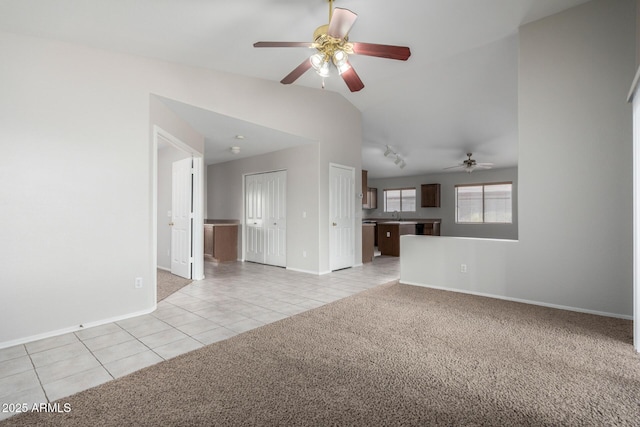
[(470, 164), (333, 46)]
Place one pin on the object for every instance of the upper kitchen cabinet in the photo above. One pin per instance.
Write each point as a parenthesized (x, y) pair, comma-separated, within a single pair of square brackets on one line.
[(430, 196), (372, 199), (369, 195)]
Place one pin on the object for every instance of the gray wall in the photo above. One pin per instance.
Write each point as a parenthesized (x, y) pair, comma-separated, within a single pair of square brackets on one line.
[(574, 247), (575, 157), (575, 161), (225, 198), (75, 124), (446, 211)]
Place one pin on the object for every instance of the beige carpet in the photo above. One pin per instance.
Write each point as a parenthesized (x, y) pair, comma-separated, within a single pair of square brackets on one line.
[(392, 355), (169, 283)]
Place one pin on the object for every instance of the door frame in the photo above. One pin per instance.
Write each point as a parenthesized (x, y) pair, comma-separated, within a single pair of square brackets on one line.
[(197, 241)]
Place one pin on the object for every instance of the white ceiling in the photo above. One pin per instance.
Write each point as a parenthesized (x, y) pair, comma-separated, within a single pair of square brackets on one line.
[(456, 93)]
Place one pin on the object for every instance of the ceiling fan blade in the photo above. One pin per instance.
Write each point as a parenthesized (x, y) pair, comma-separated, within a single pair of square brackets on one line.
[(401, 53), (454, 167), (352, 79), (283, 44), (341, 22), (297, 72)]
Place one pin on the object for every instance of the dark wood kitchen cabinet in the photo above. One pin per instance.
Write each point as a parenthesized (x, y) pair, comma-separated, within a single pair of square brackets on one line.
[(430, 195), (372, 199), (221, 242), (389, 235), (365, 186)]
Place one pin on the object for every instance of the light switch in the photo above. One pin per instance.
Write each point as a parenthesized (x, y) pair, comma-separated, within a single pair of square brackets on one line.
[(169, 214)]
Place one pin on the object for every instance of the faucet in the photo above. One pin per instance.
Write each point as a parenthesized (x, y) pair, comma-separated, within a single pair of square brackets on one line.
[(395, 215)]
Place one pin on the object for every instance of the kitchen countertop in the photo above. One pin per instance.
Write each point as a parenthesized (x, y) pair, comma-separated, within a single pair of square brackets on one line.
[(398, 222), (406, 220), (221, 222)]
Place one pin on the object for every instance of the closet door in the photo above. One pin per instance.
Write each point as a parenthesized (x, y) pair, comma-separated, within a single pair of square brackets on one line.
[(275, 218), (254, 208), (266, 218)]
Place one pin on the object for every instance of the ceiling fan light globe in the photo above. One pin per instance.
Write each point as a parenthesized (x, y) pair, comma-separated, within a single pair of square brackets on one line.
[(341, 61), (323, 70), (317, 60), (340, 57)]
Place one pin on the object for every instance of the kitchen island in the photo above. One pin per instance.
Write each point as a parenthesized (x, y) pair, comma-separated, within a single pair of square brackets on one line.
[(389, 233)]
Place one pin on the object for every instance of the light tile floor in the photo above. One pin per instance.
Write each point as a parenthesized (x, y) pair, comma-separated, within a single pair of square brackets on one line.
[(233, 298)]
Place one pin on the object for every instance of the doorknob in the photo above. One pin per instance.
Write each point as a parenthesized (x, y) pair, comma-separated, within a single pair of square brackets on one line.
[(171, 224), (334, 224), (275, 223)]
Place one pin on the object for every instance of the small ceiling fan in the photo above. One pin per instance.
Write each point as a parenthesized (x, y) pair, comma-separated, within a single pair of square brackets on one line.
[(333, 45), (469, 165)]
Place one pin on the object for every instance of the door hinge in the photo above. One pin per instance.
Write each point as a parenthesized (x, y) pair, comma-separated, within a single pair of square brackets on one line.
[(191, 215), (190, 260)]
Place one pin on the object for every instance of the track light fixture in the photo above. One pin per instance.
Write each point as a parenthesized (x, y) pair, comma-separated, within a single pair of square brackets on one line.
[(397, 159)]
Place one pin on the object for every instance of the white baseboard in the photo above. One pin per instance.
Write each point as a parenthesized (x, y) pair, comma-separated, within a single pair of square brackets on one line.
[(524, 301), (299, 270), (63, 331)]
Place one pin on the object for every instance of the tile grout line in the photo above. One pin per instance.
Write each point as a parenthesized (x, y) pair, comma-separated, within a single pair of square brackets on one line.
[(35, 370)]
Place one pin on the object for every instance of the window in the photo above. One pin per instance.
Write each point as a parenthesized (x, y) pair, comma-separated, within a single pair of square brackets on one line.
[(400, 199), (483, 203)]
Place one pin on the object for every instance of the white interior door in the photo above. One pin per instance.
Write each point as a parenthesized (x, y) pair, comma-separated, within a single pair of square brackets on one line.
[(266, 218), (341, 217), (181, 217), (254, 219), (275, 221)]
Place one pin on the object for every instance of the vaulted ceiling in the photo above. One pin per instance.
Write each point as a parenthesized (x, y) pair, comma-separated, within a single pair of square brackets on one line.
[(457, 93)]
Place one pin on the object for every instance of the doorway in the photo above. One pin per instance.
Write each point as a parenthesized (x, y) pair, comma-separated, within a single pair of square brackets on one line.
[(191, 252)]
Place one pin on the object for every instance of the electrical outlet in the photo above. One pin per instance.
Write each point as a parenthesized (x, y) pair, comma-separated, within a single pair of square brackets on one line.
[(138, 282), (304, 254), (463, 268)]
